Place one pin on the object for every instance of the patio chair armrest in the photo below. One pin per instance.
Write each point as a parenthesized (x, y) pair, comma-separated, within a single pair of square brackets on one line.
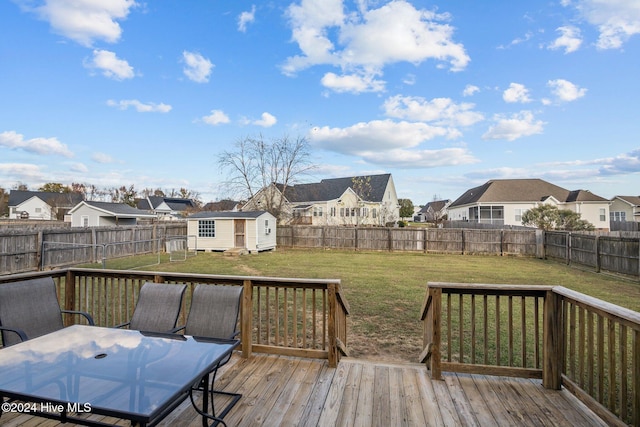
[(19, 332), (233, 335), (178, 328), (82, 313)]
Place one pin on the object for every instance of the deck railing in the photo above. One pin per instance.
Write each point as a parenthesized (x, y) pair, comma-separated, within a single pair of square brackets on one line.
[(296, 317), (565, 338)]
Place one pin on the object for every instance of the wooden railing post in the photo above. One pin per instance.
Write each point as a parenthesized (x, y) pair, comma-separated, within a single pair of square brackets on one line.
[(636, 378), (69, 295), (247, 318), (553, 348), (331, 325), (436, 335)]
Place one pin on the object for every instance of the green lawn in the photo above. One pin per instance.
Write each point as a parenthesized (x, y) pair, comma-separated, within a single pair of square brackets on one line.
[(386, 289)]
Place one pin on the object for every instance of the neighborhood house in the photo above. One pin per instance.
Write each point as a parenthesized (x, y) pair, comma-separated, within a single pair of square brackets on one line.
[(41, 205), (504, 201), (358, 200), (99, 214)]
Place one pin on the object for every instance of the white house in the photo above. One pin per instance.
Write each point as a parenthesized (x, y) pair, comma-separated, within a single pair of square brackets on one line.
[(98, 214), (504, 201), (41, 205), (253, 231), (358, 200), (625, 208), (166, 208)]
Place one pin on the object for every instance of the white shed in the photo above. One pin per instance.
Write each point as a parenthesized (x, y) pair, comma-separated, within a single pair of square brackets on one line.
[(253, 231)]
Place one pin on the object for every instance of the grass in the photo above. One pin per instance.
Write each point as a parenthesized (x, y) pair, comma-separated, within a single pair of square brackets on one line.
[(386, 289)]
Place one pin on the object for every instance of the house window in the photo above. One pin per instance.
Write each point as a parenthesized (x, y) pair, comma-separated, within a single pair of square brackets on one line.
[(519, 213), (84, 219), (618, 216), (374, 212), (317, 211), (38, 210), (333, 211), (603, 214), (207, 228), (341, 211)]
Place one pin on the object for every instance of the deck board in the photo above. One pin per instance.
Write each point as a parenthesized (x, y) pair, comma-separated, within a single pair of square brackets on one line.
[(288, 391)]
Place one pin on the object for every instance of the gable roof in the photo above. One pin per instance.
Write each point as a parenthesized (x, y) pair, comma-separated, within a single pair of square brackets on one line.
[(222, 205), (120, 210), (16, 197), (334, 188), (227, 215), (174, 203), (523, 190), (632, 200), (435, 206)]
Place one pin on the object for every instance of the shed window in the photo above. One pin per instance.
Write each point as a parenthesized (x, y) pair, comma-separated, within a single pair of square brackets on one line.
[(207, 228)]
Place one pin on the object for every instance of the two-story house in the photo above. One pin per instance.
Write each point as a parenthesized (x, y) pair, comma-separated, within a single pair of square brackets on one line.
[(357, 200)]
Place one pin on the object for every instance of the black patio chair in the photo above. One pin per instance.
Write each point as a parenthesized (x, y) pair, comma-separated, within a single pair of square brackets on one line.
[(214, 314), (29, 309), (157, 308)]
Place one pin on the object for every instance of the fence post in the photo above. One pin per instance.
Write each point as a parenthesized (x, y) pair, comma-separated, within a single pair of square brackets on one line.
[(568, 248), (553, 348), (597, 251)]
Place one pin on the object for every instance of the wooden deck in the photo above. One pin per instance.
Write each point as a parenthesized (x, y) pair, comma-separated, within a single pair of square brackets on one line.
[(286, 391)]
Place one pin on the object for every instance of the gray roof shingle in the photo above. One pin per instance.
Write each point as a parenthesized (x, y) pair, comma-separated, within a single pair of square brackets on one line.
[(522, 190), (331, 189)]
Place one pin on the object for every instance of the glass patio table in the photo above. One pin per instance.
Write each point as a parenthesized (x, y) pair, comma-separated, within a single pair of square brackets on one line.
[(113, 372)]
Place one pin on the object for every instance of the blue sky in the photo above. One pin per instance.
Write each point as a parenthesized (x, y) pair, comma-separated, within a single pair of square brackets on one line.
[(443, 95)]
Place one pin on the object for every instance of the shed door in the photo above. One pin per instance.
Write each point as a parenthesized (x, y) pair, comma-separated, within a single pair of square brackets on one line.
[(239, 232)]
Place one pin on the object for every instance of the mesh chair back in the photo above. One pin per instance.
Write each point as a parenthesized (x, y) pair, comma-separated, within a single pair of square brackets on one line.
[(214, 311), (158, 307), (30, 305)]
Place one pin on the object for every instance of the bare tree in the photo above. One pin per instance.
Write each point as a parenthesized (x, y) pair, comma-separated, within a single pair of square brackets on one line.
[(262, 171)]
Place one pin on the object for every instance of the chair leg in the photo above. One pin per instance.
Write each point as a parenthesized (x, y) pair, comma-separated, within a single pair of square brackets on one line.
[(235, 397)]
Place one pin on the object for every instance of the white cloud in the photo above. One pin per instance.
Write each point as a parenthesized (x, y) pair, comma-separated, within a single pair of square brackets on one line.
[(570, 39), (84, 21), (516, 93), (197, 67), (376, 135), (246, 18), (390, 144), (622, 164), (441, 111), (266, 120), (364, 42), (78, 167), (470, 90), (566, 91), (102, 158), (352, 83), (22, 171), (110, 65), (616, 20), (42, 146), (514, 127), (217, 117), (140, 107)]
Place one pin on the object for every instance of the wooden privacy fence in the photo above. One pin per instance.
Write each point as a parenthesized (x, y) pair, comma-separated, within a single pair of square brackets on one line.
[(598, 252), (32, 249), (440, 240), (295, 317), (589, 346)]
